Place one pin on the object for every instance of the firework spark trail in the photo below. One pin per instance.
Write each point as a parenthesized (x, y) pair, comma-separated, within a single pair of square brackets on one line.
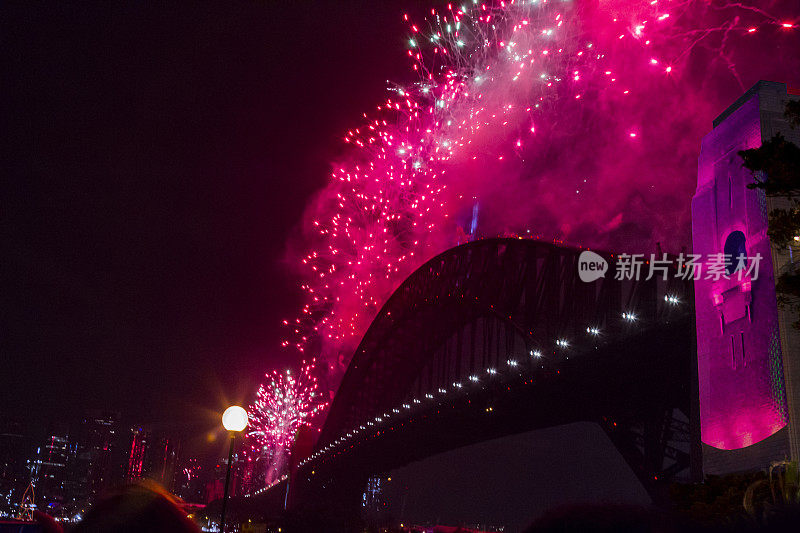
[(284, 403), (579, 121)]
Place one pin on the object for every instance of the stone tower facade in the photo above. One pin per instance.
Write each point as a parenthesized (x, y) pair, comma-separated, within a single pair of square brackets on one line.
[(748, 360)]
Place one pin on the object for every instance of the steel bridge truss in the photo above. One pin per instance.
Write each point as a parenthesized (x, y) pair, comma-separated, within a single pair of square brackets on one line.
[(502, 311)]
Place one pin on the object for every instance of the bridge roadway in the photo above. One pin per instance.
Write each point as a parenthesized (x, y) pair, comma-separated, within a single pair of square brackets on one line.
[(637, 390), (498, 337)]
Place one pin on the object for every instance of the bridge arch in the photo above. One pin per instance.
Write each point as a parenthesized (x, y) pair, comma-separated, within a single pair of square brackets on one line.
[(505, 326)]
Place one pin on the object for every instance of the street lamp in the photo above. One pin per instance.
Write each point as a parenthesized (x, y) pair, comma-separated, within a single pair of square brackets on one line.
[(234, 419)]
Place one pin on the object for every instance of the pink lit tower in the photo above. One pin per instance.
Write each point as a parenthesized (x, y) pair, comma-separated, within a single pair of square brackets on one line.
[(748, 354)]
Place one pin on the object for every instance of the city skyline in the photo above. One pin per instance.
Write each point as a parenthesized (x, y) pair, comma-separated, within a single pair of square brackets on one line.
[(72, 463)]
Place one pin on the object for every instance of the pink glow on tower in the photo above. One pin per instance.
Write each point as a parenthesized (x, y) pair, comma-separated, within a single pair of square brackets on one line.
[(742, 396)]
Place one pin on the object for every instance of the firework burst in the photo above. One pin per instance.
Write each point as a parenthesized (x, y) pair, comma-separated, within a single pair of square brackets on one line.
[(284, 403), (546, 112)]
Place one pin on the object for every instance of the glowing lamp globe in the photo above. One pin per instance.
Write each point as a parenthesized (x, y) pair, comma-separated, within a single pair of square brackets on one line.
[(234, 418)]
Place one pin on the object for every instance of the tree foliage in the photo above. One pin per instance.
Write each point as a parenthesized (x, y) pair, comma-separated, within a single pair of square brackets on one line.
[(778, 160), (776, 171), (715, 502)]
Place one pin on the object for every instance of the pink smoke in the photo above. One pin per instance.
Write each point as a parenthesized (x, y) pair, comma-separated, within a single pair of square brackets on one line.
[(574, 121)]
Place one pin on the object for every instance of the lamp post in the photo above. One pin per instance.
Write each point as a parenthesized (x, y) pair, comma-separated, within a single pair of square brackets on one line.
[(234, 419)]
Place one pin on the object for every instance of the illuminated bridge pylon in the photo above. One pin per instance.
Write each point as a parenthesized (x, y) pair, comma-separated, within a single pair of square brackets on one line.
[(501, 336)]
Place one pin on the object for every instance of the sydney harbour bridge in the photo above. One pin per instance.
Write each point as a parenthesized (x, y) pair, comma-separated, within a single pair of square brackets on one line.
[(498, 337)]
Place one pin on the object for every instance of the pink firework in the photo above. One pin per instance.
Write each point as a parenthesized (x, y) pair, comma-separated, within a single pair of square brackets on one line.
[(577, 121), (284, 403)]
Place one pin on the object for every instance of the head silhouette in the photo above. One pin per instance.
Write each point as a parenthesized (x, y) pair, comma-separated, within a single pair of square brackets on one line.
[(136, 508)]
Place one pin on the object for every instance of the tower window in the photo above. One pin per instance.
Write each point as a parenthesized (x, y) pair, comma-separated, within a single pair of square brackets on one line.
[(736, 252)]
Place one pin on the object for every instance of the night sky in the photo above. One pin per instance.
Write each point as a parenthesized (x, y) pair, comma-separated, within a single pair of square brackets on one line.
[(160, 160)]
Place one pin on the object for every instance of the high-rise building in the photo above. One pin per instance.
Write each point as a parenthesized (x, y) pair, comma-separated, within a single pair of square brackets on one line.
[(102, 449), (49, 472), (152, 456), (136, 457), (748, 360), (15, 447), (162, 461)]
